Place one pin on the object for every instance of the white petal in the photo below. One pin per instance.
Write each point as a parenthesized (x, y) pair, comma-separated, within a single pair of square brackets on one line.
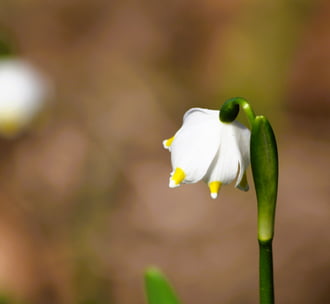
[(173, 184), (165, 145), (225, 165), (233, 154), (196, 143), (243, 139)]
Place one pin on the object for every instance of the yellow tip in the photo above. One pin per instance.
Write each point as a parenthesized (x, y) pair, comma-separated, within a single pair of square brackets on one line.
[(177, 177), (214, 188), (168, 142)]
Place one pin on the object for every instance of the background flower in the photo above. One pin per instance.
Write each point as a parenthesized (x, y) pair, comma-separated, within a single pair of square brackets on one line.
[(23, 94)]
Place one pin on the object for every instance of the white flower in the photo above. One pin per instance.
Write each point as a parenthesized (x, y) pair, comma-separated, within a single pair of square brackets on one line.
[(207, 149), (23, 91)]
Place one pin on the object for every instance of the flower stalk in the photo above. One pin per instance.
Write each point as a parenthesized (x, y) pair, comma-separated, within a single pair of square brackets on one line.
[(230, 110), (264, 162)]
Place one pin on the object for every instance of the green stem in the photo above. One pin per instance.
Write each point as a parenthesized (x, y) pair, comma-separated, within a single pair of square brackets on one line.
[(247, 109), (230, 109), (266, 283)]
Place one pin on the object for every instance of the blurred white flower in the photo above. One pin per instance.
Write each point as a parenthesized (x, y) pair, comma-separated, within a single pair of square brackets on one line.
[(205, 148), (23, 93)]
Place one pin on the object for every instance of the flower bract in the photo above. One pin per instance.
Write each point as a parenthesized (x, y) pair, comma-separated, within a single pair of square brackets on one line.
[(205, 148)]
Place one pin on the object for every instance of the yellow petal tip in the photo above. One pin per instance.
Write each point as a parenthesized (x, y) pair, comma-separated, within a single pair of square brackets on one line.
[(168, 142), (214, 188), (177, 177)]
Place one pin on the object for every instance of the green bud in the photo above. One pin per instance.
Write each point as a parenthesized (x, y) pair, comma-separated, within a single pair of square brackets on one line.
[(264, 162), (158, 289)]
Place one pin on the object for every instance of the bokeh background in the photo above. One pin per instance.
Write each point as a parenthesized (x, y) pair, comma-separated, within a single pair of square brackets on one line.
[(84, 198)]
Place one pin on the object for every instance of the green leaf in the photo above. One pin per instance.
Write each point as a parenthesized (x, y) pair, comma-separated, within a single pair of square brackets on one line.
[(158, 289)]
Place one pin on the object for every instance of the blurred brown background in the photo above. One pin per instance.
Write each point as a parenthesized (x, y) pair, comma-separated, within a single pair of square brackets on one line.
[(84, 199)]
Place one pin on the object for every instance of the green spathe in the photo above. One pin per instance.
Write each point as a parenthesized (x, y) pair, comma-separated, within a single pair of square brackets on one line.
[(264, 162)]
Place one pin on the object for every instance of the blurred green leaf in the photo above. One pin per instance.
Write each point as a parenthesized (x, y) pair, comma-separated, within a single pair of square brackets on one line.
[(8, 298), (158, 289)]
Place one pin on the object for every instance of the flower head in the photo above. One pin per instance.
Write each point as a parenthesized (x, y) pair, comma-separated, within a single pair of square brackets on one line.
[(205, 148), (23, 92)]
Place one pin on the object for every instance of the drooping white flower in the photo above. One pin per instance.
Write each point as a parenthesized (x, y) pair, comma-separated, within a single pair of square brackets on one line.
[(205, 148), (23, 92)]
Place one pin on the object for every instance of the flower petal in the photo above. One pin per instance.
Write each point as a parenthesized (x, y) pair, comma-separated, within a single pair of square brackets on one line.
[(196, 143), (177, 177), (230, 158), (167, 143), (206, 149), (214, 188), (243, 138)]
